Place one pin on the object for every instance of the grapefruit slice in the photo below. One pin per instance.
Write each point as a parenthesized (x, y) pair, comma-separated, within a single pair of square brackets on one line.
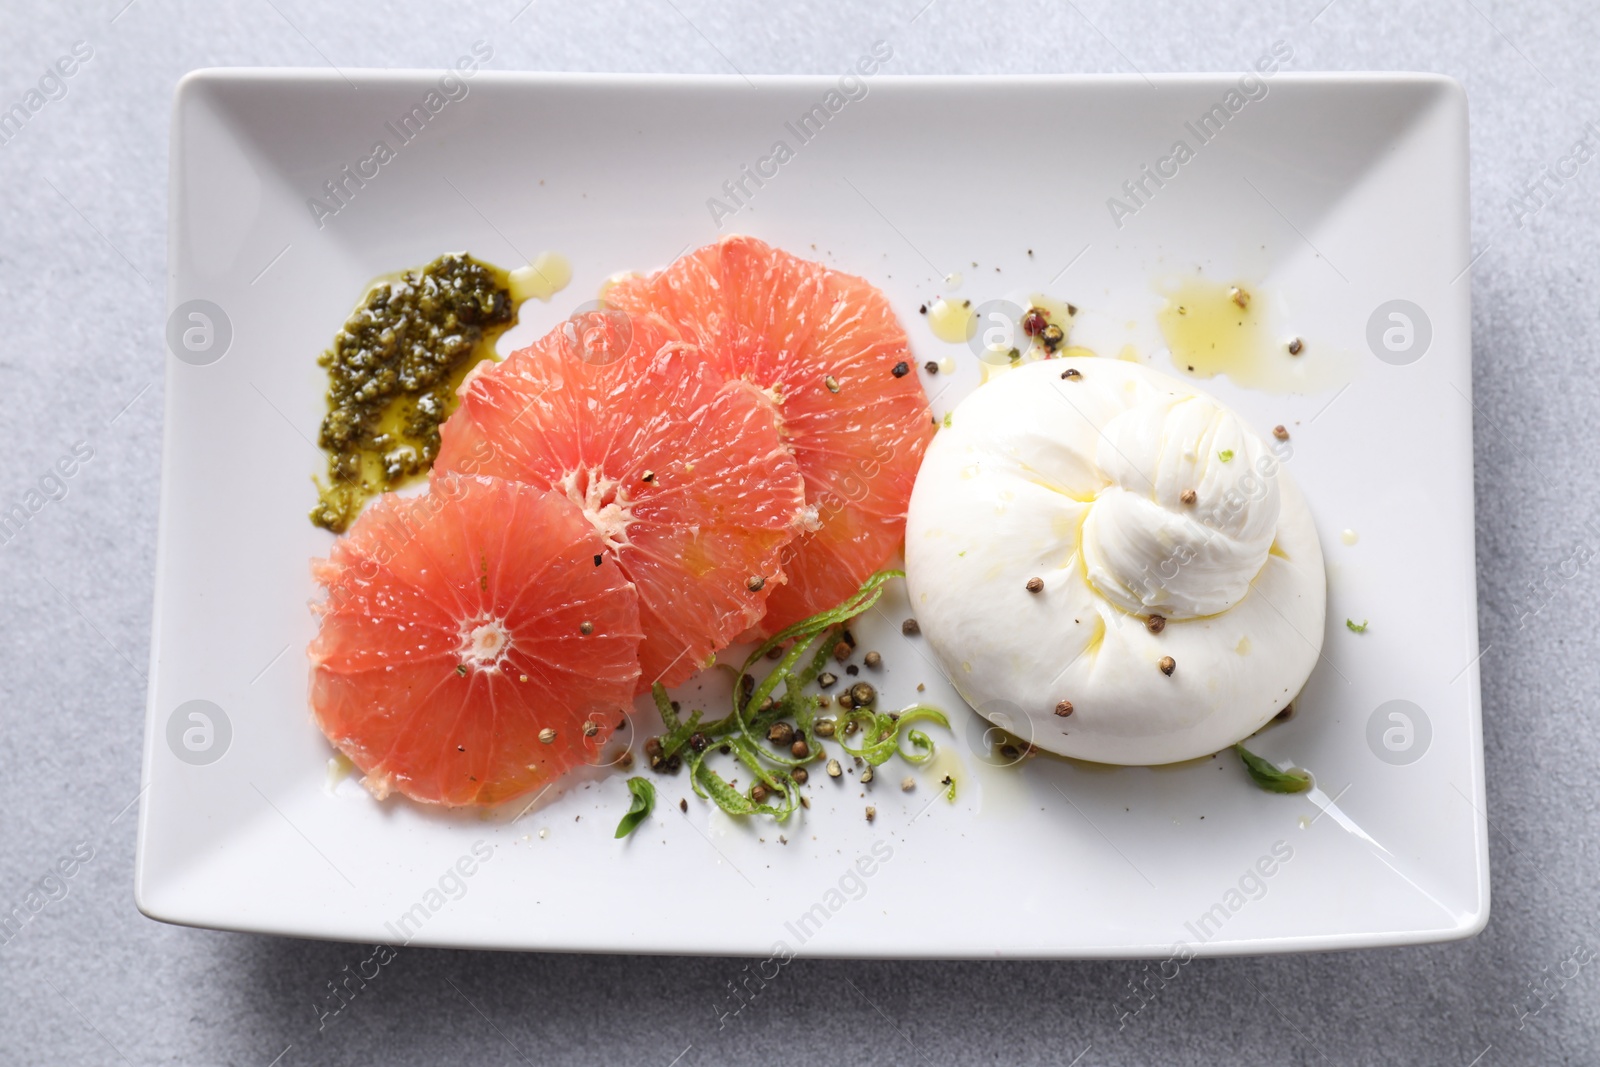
[(460, 664), (827, 345), (680, 471)]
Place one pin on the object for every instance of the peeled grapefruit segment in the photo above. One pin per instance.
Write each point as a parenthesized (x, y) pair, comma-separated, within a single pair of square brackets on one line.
[(681, 472), (828, 346), (476, 641)]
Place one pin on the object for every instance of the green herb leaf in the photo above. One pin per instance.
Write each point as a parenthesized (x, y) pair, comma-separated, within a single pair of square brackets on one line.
[(780, 696), (1361, 629), (947, 419), (1269, 777), (669, 718), (1225, 455), (644, 801)]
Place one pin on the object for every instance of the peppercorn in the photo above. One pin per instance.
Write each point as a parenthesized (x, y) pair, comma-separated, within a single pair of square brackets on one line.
[(780, 733), (758, 792), (590, 729), (826, 679), (698, 741), (862, 694), (1071, 373), (911, 628), (1064, 708), (799, 750), (1296, 346), (547, 735), (1034, 322), (823, 728), (586, 628), (866, 776), (800, 775), (1188, 496), (901, 369), (1052, 336), (873, 660), (872, 813), (652, 746), (1034, 585), (755, 583), (1168, 665), (1155, 624), (834, 770), (1280, 432), (841, 651), (931, 367)]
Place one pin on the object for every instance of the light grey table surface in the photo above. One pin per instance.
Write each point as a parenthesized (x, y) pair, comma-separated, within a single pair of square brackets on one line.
[(82, 248)]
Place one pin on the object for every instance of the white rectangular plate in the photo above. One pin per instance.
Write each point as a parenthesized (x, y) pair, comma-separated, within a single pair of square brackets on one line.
[(1334, 194)]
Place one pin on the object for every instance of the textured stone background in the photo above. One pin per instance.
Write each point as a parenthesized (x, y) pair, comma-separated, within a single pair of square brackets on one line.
[(83, 210)]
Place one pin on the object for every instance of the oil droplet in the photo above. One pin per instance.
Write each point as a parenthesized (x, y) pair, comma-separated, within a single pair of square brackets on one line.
[(1214, 328), (1305, 822), (988, 372), (952, 321), (1243, 647), (616, 279), (339, 768), (1349, 537), (953, 280), (947, 365), (543, 278), (544, 832), (1129, 354)]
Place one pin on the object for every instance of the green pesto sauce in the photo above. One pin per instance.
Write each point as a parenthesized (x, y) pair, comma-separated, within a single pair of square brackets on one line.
[(393, 371)]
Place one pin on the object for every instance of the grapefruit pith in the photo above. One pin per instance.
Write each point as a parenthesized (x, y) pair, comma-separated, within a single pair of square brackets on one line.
[(476, 641), (681, 472), (854, 413)]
